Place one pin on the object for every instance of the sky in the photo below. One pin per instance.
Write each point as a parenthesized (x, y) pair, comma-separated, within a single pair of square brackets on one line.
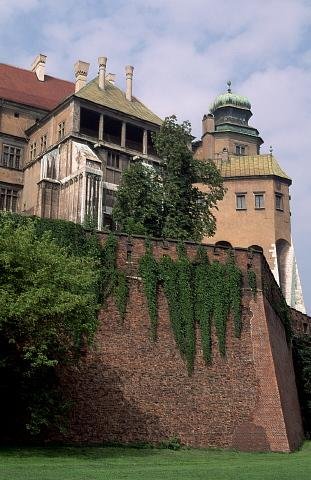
[(183, 53)]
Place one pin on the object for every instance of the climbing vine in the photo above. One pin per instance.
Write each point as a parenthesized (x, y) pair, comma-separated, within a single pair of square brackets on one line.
[(186, 323), (252, 281), (113, 281), (234, 286), (197, 293), (168, 275), (203, 305), (148, 270)]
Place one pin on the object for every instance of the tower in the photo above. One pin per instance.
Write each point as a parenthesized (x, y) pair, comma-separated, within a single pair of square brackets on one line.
[(255, 211)]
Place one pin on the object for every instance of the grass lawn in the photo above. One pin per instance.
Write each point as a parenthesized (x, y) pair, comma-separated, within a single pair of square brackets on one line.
[(111, 463)]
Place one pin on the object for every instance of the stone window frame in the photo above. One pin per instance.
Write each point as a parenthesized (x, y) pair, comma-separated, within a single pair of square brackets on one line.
[(258, 195), (279, 201), (8, 197), (33, 150), (240, 201), (11, 156), (43, 142), (61, 130), (113, 160), (240, 149)]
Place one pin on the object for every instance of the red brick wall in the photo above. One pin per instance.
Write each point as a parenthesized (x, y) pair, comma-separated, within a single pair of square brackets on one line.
[(129, 389), (301, 322)]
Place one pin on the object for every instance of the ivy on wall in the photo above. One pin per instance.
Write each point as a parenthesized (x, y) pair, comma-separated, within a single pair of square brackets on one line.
[(203, 301), (113, 280), (252, 281), (197, 293), (148, 269)]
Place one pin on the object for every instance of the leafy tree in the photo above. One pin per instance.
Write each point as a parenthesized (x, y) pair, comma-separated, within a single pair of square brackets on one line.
[(188, 209), (138, 208), (302, 364), (48, 312), (169, 202)]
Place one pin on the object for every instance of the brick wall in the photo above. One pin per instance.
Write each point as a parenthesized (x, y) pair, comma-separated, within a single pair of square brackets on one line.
[(301, 322), (129, 389)]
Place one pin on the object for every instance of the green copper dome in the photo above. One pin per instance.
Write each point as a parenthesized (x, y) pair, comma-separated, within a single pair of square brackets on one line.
[(230, 99)]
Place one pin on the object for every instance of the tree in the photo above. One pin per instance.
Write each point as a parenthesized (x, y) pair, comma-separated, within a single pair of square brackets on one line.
[(171, 203), (48, 310), (138, 208)]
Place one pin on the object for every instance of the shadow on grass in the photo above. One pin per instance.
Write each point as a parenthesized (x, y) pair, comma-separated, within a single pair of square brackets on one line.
[(87, 453)]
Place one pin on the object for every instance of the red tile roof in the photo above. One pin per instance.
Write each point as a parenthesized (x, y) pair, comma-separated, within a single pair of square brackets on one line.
[(22, 86)]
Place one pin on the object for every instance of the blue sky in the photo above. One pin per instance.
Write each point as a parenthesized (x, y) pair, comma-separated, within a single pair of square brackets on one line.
[(183, 53)]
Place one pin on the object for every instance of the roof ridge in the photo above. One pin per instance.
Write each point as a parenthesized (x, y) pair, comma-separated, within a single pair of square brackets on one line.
[(115, 98), (30, 71)]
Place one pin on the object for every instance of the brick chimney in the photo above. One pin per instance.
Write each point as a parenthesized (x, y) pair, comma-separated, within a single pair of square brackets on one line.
[(81, 71), (38, 66), (129, 82), (102, 62)]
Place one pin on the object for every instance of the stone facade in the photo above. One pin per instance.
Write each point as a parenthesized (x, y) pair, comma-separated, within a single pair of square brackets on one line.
[(255, 212), (65, 145)]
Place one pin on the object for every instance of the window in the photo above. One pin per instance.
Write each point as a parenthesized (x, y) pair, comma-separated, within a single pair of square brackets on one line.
[(279, 201), (33, 151), (110, 196), (89, 122), (8, 198), (113, 176), (259, 201), (134, 137), (11, 157), (240, 201), (113, 160), (43, 143), (16, 114), (240, 150), (61, 130)]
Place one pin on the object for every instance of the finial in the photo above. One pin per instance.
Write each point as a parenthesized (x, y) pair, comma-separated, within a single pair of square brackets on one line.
[(271, 150), (229, 86)]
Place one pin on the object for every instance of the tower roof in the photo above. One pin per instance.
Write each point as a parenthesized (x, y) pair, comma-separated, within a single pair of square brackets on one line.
[(250, 166), (229, 99)]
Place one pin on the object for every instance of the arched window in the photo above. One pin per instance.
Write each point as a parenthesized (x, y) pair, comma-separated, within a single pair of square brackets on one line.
[(256, 248), (223, 243)]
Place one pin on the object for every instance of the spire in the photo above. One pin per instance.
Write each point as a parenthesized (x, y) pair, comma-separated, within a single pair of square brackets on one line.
[(229, 86)]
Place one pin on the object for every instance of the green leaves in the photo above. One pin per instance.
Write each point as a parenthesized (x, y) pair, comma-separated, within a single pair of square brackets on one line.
[(48, 305), (166, 202), (148, 269), (138, 209), (113, 281), (197, 293), (302, 364)]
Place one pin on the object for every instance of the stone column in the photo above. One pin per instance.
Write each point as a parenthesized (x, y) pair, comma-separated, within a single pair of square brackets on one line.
[(123, 134), (101, 128), (145, 142)]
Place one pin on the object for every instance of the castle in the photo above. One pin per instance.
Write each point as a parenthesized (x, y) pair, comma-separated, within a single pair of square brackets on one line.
[(64, 145), (63, 148)]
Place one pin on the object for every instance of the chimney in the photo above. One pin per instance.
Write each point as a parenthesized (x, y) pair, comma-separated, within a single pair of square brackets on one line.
[(38, 66), (81, 71), (129, 82), (102, 62), (111, 78)]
